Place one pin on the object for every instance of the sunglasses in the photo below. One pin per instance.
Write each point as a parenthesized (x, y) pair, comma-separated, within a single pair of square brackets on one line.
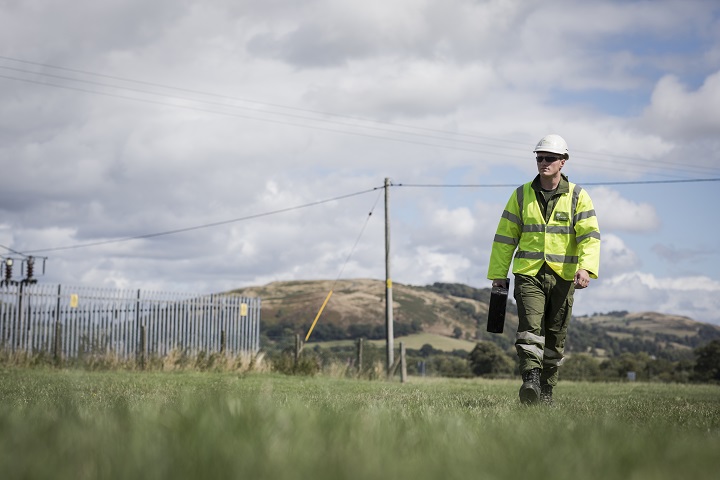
[(548, 159)]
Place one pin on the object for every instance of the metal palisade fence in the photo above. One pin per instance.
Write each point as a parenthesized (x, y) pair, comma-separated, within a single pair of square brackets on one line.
[(69, 321)]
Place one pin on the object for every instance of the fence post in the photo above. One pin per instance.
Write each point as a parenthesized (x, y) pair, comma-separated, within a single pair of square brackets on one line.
[(298, 348), (143, 340), (403, 364), (58, 343), (139, 330), (19, 320), (222, 342), (359, 355), (57, 347)]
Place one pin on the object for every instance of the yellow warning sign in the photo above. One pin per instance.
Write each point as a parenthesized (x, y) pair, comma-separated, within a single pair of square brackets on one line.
[(74, 300), (243, 309)]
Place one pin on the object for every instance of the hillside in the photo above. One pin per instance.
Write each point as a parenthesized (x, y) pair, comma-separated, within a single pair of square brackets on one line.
[(357, 309)]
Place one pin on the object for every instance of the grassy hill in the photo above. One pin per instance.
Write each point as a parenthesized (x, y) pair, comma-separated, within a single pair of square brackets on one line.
[(453, 316)]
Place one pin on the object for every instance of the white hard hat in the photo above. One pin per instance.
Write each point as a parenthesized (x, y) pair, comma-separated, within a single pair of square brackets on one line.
[(554, 144)]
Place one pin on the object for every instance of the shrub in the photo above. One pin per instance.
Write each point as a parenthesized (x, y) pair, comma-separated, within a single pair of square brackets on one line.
[(489, 359), (306, 364)]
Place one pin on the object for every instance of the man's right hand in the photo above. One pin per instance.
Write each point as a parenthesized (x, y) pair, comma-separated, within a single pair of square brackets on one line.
[(500, 282)]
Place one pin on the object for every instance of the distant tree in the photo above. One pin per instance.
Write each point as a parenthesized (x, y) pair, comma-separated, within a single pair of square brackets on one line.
[(705, 333), (448, 366), (580, 366), (670, 371), (328, 331), (405, 328), (619, 366), (358, 330), (489, 359), (457, 332), (428, 350), (466, 307), (707, 365)]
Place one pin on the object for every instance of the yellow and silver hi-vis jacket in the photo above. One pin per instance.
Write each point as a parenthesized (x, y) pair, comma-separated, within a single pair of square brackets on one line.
[(569, 241)]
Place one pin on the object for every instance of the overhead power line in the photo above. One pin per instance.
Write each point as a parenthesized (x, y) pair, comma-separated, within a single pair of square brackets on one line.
[(510, 185), (331, 122), (342, 269), (199, 227), (425, 140), (256, 102), (362, 230), (320, 202), (13, 251), (273, 120)]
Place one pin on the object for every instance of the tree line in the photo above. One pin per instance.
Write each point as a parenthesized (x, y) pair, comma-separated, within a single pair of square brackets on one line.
[(490, 361)]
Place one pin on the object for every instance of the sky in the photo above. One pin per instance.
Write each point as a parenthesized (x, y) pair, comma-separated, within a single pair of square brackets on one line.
[(203, 146)]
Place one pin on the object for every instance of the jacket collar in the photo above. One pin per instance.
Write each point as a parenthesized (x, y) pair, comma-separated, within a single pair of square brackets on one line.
[(563, 186)]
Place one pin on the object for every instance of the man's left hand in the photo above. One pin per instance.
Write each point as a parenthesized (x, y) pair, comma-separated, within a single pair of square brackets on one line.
[(582, 279)]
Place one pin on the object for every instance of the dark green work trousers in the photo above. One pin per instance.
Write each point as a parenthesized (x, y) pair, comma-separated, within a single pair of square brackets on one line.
[(544, 304)]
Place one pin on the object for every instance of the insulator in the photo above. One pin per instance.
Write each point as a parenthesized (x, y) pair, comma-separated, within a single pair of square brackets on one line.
[(30, 268)]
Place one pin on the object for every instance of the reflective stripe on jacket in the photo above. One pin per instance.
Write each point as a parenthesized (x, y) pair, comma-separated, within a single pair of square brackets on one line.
[(569, 241)]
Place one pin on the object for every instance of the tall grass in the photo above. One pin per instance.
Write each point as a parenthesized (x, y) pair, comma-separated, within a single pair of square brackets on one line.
[(125, 424), (175, 360)]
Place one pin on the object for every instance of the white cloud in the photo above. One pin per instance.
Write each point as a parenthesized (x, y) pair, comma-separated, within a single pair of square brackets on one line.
[(615, 256), (679, 113), (616, 213), (427, 265), (695, 297), (453, 223)]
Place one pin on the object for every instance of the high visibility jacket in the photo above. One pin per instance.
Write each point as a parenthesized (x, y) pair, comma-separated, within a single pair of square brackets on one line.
[(569, 241)]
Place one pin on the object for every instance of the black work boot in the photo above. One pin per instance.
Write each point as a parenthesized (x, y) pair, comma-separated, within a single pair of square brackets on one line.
[(530, 390), (546, 394)]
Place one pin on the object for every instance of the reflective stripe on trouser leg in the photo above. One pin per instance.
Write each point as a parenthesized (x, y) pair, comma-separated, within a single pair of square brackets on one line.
[(552, 358), (530, 345)]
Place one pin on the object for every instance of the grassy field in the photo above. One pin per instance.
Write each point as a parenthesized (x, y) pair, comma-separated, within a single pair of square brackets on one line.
[(414, 341), (72, 424)]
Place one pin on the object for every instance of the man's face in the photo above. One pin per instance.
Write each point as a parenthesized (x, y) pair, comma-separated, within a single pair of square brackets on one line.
[(550, 164)]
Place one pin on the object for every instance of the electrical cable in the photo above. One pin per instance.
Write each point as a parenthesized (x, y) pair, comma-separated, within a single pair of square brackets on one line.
[(455, 135), (266, 104), (13, 251), (639, 182), (332, 288), (207, 225), (225, 105), (341, 197), (362, 230), (626, 168), (270, 120)]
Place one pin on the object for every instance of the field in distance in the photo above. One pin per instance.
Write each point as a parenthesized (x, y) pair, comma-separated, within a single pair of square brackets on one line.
[(414, 341)]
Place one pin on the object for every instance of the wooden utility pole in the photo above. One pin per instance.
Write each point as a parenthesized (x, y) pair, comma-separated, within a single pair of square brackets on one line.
[(388, 281)]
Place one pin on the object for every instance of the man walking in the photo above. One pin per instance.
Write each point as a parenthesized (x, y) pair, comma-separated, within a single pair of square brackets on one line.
[(551, 223)]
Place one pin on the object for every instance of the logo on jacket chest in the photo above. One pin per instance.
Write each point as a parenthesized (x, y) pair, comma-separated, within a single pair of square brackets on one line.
[(562, 216)]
